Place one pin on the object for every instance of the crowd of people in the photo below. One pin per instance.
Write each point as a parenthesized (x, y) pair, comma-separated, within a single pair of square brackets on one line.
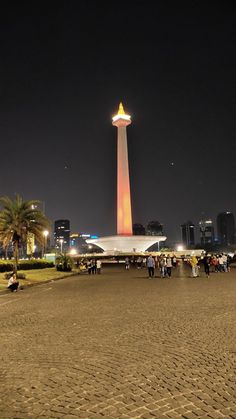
[(211, 263), (164, 264), (92, 266)]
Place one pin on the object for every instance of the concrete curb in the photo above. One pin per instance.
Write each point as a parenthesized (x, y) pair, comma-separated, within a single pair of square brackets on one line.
[(47, 281)]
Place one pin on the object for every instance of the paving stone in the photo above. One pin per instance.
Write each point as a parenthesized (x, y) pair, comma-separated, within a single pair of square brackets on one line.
[(118, 345)]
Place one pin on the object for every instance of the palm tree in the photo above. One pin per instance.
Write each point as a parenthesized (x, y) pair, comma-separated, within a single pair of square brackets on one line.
[(64, 262), (19, 218)]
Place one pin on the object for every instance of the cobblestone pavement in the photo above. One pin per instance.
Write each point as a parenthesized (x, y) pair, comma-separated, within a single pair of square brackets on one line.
[(120, 345)]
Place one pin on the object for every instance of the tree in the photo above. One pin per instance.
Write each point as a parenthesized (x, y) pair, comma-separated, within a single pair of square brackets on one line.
[(64, 262), (19, 218)]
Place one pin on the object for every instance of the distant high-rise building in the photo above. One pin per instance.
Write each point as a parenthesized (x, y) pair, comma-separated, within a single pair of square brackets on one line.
[(62, 235), (138, 230), (226, 228), (154, 228), (78, 242), (188, 235), (206, 232)]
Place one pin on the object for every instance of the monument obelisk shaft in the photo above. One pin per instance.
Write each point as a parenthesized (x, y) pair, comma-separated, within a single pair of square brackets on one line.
[(124, 214), (124, 242)]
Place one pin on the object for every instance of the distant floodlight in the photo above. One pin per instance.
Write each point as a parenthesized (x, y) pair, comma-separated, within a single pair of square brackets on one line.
[(180, 248), (73, 252)]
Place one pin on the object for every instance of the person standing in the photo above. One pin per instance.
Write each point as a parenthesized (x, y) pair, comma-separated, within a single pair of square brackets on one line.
[(162, 266), (144, 261), (206, 263), (221, 263), (139, 262), (94, 267), (150, 266), (224, 257), (194, 265), (168, 266), (127, 263), (99, 266), (174, 261), (89, 265)]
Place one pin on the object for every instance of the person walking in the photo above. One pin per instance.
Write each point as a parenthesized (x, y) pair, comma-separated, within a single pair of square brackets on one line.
[(150, 266)]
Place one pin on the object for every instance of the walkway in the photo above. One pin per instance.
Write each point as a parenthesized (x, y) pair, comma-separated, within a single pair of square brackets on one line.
[(120, 346)]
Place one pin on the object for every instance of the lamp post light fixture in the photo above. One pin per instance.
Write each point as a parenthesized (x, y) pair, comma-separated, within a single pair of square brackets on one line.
[(61, 243), (45, 234), (73, 251)]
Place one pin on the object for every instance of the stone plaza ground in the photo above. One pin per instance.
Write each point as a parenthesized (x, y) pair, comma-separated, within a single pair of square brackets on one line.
[(120, 345)]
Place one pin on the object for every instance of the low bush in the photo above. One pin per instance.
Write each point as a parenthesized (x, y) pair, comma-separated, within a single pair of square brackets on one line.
[(34, 264), (64, 263), (7, 266), (19, 275)]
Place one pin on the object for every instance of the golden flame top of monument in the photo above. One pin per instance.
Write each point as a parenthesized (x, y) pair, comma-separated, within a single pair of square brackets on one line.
[(121, 109), (121, 114)]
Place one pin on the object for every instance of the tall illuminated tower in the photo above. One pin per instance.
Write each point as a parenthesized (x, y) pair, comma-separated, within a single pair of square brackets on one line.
[(124, 241), (124, 215)]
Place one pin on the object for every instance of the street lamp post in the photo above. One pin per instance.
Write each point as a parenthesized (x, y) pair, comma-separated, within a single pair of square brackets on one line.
[(61, 243), (45, 233)]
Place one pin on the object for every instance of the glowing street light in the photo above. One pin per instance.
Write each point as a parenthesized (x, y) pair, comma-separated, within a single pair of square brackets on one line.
[(45, 234), (73, 252), (61, 243), (180, 247)]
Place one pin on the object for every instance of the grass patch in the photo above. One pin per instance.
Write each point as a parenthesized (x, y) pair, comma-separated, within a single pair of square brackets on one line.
[(35, 276)]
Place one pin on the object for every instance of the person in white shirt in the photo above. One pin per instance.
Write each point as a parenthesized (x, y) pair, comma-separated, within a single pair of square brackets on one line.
[(13, 284), (99, 266), (221, 263), (162, 265), (168, 266), (224, 258)]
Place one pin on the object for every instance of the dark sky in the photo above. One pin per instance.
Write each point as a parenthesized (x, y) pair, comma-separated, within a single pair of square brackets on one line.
[(64, 69)]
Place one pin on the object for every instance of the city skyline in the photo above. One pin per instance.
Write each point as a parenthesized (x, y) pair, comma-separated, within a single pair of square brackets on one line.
[(205, 231), (63, 76)]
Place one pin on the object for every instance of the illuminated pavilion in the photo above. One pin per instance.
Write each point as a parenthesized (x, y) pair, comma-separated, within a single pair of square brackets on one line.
[(124, 241)]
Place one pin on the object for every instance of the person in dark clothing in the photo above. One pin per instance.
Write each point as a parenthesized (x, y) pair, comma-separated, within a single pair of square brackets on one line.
[(94, 266), (206, 264), (151, 266)]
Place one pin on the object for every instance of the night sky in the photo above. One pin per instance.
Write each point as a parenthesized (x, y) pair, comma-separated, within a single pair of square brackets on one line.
[(64, 70)]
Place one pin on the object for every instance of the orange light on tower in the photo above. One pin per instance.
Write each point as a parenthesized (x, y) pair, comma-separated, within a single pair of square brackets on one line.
[(124, 215)]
